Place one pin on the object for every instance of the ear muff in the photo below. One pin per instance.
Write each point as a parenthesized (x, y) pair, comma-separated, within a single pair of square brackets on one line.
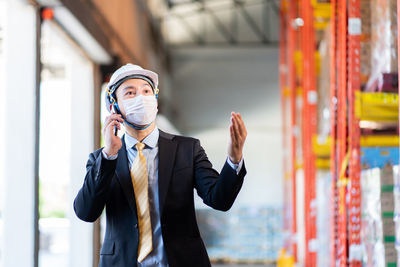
[(112, 100)]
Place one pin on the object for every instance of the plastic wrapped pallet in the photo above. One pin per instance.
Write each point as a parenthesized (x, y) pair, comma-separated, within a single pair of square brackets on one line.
[(247, 234), (324, 83), (387, 206), (396, 176), (365, 57), (323, 217), (377, 208), (371, 234), (384, 63)]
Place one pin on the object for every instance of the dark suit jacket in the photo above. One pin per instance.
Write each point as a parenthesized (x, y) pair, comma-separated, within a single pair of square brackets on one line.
[(183, 166)]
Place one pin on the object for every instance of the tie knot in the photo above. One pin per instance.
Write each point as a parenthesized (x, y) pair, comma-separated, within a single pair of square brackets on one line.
[(140, 146)]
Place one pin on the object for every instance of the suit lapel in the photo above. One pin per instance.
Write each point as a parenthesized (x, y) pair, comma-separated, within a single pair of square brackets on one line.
[(124, 176), (167, 149)]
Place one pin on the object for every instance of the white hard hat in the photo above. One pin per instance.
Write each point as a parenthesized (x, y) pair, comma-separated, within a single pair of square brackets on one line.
[(126, 72)]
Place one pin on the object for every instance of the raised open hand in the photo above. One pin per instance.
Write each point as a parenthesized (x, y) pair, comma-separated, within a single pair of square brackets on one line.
[(238, 134)]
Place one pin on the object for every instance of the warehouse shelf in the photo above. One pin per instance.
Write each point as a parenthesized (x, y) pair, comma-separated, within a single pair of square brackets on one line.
[(345, 125), (321, 146)]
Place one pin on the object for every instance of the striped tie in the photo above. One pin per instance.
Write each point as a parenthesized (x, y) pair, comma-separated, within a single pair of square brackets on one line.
[(140, 187)]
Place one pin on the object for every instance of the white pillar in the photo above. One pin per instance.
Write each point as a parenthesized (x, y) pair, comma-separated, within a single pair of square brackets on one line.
[(300, 215), (2, 115), (80, 74), (17, 149)]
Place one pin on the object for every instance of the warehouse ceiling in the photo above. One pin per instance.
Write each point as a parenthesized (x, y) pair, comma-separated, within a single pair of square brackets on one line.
[(217, 22)]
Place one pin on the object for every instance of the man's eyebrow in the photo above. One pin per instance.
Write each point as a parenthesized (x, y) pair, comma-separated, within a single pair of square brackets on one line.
[(128, 87)]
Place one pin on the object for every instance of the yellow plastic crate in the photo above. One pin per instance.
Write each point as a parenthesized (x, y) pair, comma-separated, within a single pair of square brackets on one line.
[(384, 140), (323, 163), (377, 106), (321, 148)]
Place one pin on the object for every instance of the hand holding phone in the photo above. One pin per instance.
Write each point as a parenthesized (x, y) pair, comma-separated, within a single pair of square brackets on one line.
[(112, 143)]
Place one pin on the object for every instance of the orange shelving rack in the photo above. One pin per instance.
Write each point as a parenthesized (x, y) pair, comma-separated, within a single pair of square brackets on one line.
[(309, 125), (298, 36), (288, 84), (354, 168)]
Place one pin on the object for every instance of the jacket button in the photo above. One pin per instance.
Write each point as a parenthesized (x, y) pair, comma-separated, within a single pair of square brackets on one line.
[(136, 225)]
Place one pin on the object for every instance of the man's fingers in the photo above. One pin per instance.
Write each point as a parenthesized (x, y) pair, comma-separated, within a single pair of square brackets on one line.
[(110, 127), (233, 135), (236, 127), (242, 127), (232, 128), (115, 123), (111, 118)]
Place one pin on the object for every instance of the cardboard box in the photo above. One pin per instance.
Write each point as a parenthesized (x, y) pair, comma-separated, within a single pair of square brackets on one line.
[(390, 254), (387, 202), (388, 226), (387, 175)]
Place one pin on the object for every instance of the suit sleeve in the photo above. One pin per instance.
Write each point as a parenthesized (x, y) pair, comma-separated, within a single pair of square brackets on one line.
[(218, 191), (91, 198)]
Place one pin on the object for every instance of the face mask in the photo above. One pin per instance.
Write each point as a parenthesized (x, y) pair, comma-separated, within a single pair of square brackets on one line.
[(141, 110)]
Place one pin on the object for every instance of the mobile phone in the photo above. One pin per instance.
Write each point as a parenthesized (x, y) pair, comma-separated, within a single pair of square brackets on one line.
[(115, 127)]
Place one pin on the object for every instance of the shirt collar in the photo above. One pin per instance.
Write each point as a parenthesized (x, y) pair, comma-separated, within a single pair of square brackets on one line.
[(150, 140)]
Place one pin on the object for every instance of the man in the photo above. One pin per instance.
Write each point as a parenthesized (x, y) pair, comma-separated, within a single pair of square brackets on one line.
[(146, 179)]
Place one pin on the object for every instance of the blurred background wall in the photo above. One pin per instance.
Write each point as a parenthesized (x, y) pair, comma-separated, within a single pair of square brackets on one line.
[(208, 84)]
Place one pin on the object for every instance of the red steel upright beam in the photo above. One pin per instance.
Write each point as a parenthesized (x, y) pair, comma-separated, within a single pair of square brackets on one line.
[(309, 128), (292, 10), (341, 253), (354, 83), (283, 67), (333, 160)]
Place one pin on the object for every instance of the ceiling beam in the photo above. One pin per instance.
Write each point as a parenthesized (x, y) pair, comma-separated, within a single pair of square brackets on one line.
[(253, 25)]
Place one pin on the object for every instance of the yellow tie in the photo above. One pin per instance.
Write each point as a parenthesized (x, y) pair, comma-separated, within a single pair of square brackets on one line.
[(140, 187)]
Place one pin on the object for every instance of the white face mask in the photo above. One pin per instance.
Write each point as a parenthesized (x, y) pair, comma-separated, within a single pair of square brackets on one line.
[(141, 110)]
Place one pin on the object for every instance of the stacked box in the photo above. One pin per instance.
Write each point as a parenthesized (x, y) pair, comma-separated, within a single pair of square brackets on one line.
[(324, 83), (365, 57), (397, 210), (323, 197), (384, 59), (378, 225), (244, 234), (387, 206), (390, 254), (371, 224)]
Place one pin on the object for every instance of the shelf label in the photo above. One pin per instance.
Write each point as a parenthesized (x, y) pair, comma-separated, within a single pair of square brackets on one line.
[(313, 245), (312, 97), (355, 252), (354, 26)]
